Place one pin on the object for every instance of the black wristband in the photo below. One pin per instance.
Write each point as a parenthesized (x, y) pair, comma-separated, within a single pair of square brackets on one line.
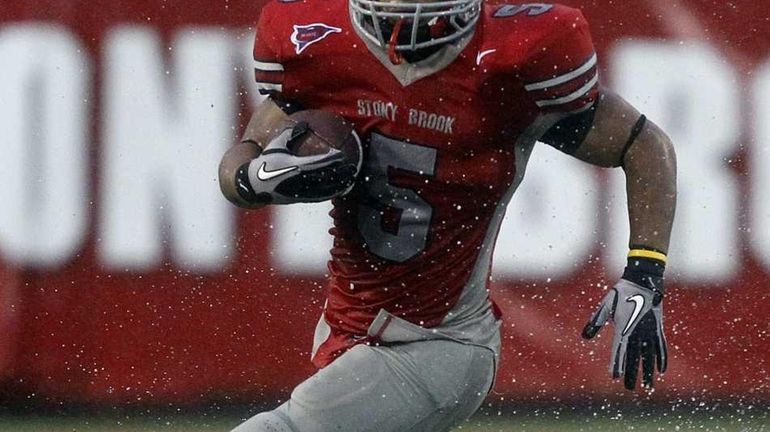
[(646, 265)]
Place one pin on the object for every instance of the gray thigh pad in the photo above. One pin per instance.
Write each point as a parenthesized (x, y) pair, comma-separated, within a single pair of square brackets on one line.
[(420, 386)]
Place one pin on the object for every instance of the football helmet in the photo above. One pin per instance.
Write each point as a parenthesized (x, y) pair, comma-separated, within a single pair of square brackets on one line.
[(407, 26)]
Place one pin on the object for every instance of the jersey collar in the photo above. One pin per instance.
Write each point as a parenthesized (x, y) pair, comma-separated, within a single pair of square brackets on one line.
[(408, 73)]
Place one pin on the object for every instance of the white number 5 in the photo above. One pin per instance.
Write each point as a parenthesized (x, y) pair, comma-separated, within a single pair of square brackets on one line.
[(413, 213)]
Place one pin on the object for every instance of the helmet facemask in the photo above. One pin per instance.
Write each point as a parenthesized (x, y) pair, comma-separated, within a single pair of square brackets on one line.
[(414, 30)]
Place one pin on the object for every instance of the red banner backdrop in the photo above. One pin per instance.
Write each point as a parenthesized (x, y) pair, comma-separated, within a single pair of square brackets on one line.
[(82, 333)]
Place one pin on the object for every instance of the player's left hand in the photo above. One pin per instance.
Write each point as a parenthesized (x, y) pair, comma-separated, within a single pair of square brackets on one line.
[(634, 305)]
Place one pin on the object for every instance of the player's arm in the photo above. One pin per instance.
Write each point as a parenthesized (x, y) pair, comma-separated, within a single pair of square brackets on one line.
[(599, 127), (288, 156), (621, 137), (233, 180), (269, 115), (614, 134)]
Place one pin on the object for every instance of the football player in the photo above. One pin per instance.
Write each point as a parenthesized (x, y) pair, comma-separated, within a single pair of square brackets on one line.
[(449, 98)]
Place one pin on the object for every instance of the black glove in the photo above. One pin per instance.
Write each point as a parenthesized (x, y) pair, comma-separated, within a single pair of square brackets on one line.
[(279, 176), (634, 305)]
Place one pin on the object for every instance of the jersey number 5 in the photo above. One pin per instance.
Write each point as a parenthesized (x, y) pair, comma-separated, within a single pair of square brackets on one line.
[(412, 215)]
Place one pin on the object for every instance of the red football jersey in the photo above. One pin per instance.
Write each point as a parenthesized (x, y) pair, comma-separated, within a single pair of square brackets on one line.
[(447, 140)]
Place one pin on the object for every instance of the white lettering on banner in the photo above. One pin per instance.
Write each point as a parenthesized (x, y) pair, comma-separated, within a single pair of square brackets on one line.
[(165, 128), (300, 238), (163, 136), (44, 112), (759, 213), (550, 225), (692, 93)]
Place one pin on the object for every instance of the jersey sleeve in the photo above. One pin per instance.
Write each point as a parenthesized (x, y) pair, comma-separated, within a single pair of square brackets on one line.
[(562, 75), (268, 70)]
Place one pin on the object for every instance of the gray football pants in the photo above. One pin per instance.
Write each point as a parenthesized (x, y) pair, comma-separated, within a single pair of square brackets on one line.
[(420, 386)]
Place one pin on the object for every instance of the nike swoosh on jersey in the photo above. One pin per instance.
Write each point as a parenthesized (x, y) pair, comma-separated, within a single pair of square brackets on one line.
[(265, 175), (638, 306), (483, 54)]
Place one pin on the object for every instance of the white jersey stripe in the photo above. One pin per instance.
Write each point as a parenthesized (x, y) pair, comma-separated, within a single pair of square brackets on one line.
[(269, 86), (561, 79), (582, 91), (268, 67)]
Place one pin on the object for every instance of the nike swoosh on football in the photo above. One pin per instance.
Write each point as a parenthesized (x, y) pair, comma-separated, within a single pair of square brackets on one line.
[(638, 306), (265, 175)]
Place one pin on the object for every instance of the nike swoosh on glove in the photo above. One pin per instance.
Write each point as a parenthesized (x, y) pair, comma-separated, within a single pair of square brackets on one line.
[(634, 305)]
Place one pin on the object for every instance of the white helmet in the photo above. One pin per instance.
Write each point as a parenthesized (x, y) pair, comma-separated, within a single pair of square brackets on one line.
[(370, 16)]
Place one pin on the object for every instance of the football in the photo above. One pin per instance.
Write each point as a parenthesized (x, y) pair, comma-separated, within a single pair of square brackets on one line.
[(326, 130), (319, 154)]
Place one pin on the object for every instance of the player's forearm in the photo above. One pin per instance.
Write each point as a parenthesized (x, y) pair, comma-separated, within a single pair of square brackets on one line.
[(266, 117), (232, 161), (650, 167)]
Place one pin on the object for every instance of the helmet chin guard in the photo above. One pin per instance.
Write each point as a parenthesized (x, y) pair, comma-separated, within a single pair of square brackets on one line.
[(375, 19)]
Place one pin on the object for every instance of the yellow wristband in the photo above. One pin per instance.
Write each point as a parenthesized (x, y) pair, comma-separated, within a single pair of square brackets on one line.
[(644, 253)]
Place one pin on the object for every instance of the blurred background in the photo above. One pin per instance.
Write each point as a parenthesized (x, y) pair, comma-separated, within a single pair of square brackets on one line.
[(134, 297)]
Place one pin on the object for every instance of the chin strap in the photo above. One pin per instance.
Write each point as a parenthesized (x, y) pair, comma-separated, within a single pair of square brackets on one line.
[(394, 56)]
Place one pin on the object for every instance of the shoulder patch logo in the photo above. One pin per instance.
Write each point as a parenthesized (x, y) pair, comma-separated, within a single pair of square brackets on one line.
[(306, 35)]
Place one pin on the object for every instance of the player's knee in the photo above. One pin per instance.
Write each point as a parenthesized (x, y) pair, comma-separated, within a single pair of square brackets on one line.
[(264, 422)]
